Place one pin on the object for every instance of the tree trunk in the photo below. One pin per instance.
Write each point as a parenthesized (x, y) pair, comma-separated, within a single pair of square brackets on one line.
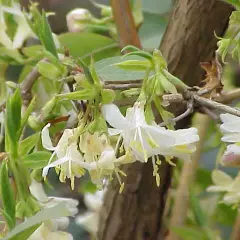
[(137, 213)]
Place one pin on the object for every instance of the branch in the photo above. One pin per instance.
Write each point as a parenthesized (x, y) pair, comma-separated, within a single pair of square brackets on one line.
[(125, 23), (228, 97)]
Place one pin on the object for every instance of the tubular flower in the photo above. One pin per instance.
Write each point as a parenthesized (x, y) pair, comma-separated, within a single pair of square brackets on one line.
[(231, 134), (69, 161), (225, 183), (99, 156), (145, 140)]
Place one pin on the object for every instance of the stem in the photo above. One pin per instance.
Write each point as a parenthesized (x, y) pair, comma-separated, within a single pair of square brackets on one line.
[(180, 208)]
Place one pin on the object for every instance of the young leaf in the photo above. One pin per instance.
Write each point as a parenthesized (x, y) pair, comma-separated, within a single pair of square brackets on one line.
[(7, 196), (108, 96), (26, 145), (48, 70), (85, 94), (86, 71), (134, 65), (36, 160), (140, 54), (46, 36), (130, 48), (13, 120)]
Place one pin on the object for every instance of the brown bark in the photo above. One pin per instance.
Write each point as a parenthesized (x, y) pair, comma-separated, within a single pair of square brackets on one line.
[(137, 213)]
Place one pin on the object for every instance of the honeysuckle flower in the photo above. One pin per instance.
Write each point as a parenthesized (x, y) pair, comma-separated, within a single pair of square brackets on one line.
[(90, 219), (146, 140), (23, 31), (225, 183), (69, 159), (46, 231), (231, 134), (77, 19), (99, 156), (45, 201)]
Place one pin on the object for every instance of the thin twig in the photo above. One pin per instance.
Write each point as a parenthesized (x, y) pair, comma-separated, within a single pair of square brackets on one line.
[(228, 96), (122, 86), (215, 105), (181, 116)]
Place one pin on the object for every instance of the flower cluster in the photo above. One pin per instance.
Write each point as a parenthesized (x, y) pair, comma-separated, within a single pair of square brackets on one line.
[(77, 152)]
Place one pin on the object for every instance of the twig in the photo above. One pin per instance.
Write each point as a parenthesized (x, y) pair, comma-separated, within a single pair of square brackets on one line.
[(215, 105), (181, 116), (123, 86), (228, 96)]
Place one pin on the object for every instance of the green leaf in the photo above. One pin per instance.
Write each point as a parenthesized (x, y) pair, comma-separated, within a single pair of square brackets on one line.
[(46, 37), (108, 72), (140, 54), (134, 65), (48, 70), (187, 233), (89, 44), (197, 210), (86, 70), (86, 94), (26, 145), (36, 160), (130, 48), (7, 196), (24, 230), (152, 30), (13, 120)]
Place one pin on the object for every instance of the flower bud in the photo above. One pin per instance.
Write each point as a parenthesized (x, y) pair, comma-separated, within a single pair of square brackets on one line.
[(77, 19)]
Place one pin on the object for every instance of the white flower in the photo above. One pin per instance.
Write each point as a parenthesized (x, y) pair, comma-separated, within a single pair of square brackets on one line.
[(47, 232), (90, 219), (69, 159), (99, 156), (146, 140), (225, 183), (23, 31), (230, 128), (45, 201), (77, 19), (231, 131)]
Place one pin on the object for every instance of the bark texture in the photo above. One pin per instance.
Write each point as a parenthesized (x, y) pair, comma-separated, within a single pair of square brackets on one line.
[(137, 213)]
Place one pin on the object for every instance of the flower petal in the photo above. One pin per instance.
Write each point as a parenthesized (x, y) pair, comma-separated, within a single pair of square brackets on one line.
[(54, 164), (46, 140), (114, 117)]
